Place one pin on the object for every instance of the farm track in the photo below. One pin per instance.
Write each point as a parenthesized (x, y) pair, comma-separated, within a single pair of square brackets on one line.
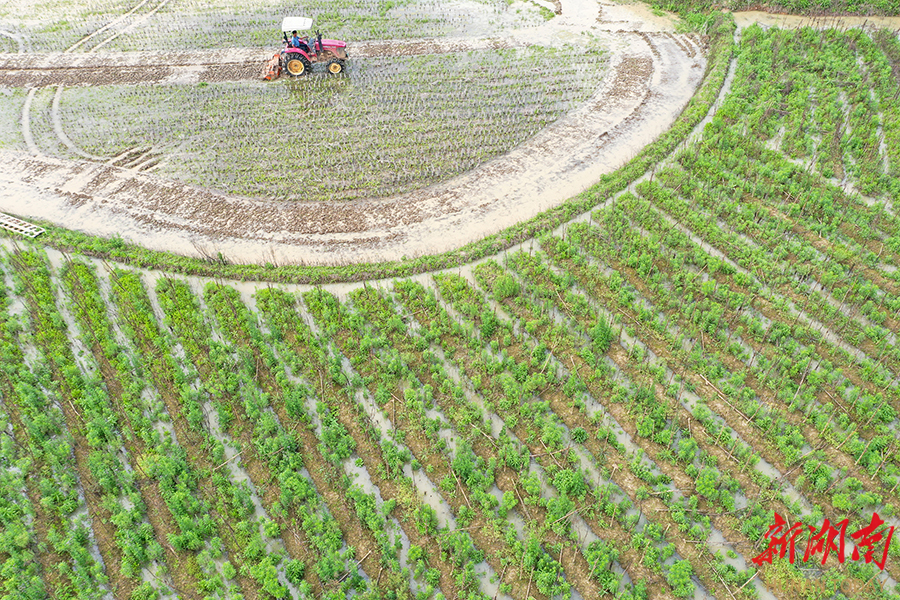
[(186, 67)]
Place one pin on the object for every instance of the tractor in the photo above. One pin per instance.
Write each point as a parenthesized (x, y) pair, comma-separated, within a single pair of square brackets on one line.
[(312, 49)]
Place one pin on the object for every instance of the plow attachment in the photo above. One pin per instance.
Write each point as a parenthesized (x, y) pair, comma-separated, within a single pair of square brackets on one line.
[(272, 70)]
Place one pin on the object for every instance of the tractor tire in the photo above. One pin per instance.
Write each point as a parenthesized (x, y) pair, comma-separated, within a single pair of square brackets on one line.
[(297, 65), (335, 67)]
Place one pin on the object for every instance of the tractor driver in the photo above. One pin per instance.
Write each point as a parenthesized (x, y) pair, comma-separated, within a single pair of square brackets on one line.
[(299, 42)]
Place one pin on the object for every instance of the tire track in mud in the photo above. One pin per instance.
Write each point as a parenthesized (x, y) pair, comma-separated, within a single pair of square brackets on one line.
[(54, 109), (235, 64), (108, 26)]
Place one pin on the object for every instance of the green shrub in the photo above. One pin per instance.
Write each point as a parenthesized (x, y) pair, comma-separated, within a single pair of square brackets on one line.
[(505, 287)]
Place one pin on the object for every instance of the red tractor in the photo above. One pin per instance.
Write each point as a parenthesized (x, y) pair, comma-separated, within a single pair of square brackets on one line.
[(300, 53)]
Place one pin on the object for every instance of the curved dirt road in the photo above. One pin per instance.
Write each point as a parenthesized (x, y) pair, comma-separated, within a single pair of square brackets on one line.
[(653, 74)]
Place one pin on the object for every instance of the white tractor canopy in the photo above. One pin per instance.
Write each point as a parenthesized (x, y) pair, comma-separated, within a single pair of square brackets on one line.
[(296, 23)]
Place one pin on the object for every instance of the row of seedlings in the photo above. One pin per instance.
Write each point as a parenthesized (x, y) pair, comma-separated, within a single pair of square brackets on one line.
[(717, 477), (800, 262), (48, 534), (556, 337), (244, 415), (107, 481), (814, 400), (506, 387), (437, 554), (165, 479), (870, 367), (238, 544), (812, 354), (369, 533), (739, 400), (387, 379), (779, 63), (547, 520), (747, 399)]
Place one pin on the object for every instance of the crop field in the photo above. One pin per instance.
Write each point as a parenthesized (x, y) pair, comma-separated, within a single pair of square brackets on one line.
[(691, 389), (387, 127)]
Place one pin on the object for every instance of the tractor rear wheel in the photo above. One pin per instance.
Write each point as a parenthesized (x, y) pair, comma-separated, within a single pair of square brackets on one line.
[(297, 65), (335, 67)]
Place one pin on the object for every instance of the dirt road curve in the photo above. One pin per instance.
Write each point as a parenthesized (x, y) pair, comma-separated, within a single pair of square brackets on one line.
[(653, 74)]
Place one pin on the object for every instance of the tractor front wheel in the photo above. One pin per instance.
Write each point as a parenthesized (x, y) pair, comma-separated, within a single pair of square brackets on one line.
[(297, 66), (336, 67)]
